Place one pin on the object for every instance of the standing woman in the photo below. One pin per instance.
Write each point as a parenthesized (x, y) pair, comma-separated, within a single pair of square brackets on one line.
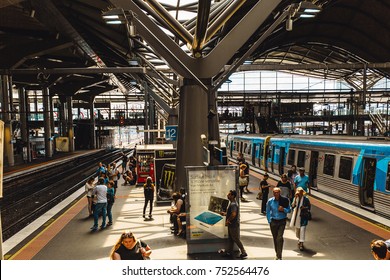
[(89, 186), (242, 181), (301, 204), (130, 248), (149, 196)]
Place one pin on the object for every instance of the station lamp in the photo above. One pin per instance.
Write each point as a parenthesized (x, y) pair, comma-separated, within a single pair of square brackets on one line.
[(304, 9), (118, 16), (308, 9), (114, 16)]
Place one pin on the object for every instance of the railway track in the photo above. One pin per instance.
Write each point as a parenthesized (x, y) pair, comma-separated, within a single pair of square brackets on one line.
[(24, 202)]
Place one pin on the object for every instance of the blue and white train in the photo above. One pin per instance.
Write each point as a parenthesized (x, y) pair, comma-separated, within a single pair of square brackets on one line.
[(353, 169)]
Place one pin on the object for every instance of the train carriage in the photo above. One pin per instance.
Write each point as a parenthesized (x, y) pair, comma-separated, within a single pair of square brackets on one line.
[(353, 169)]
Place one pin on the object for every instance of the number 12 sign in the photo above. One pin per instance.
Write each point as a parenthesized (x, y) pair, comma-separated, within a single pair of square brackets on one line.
[(171, 132)]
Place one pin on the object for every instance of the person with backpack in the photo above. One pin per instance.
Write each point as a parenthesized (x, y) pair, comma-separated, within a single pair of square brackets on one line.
[(110, 200), (149, 196)]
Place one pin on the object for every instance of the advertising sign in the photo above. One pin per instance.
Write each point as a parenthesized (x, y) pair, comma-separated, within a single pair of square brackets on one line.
[(207, 194), (165, 174)]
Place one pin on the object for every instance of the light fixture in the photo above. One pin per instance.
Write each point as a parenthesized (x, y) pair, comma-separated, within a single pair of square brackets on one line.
[(308, 9), (131, 29), (134, 61), (304, 9), (289, 23), (114, 16)]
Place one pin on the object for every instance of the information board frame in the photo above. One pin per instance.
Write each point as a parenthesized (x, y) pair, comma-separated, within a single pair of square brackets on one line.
[(208, 185)]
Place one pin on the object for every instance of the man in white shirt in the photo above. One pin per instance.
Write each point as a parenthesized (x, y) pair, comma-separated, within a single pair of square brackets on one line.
[(100, 191)]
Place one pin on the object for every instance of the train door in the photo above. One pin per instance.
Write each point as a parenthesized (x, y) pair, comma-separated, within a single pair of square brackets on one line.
[(255, 148), (366, 190), (272, 157), (282, 152), (313, 169), (266, 152), (260, 154)]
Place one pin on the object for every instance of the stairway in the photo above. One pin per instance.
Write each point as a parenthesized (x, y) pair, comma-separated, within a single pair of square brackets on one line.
[(378, 120)]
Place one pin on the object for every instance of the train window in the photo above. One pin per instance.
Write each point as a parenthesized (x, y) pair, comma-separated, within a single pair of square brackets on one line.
[(244, 149), (329, 164), (388, 178), (301, 159), (250, 149), (345, 169), (291, 157)]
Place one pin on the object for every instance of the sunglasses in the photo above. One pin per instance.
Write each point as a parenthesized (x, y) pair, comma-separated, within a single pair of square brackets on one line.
[(127, 235)]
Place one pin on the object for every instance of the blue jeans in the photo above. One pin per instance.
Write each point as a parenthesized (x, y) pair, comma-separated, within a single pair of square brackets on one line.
[(109, 213), (100, 207)]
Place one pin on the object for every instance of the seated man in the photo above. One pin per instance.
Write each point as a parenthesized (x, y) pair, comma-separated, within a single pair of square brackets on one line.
[(175, 211)]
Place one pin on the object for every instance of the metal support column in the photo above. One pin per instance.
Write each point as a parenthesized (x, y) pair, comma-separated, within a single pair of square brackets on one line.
[(52, 123), (47, 123), (62, 117), (146, 109), (70, 123), (8, 145), (24, 128), (193, 122), (152, 107), (93, 133)]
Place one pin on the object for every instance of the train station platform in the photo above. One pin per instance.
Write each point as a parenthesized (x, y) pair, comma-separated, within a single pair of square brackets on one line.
[(64, 232)]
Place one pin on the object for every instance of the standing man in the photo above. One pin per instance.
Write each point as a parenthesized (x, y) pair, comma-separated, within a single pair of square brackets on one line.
[(233, 222), (132, 163), (124, 162), (100, 191), (277, 209), (302, 180)]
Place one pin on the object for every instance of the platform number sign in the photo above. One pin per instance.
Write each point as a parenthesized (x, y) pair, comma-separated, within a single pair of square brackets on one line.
[(171, 132)]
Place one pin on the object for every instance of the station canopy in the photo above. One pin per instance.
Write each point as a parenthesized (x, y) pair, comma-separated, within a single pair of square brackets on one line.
[(65, 44)]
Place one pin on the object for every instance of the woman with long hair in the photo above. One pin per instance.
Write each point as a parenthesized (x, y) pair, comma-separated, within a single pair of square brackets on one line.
[(130, 248)]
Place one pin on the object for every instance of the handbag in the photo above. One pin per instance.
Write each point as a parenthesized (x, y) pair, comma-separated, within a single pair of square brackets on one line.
[(306, 214), (242, 181)]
